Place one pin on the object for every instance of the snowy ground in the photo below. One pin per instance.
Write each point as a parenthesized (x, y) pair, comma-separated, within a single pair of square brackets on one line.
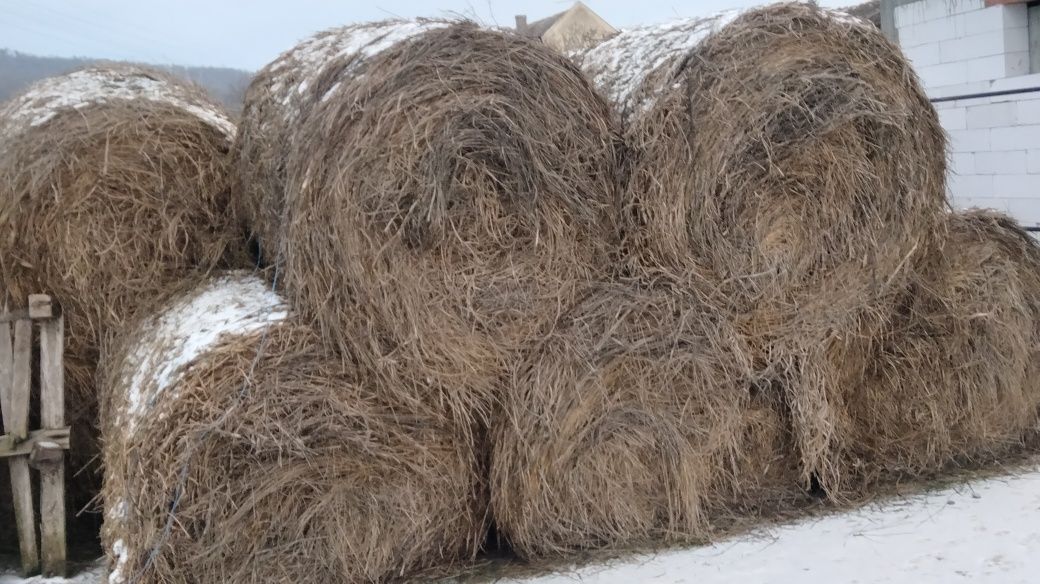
[(987, 531)]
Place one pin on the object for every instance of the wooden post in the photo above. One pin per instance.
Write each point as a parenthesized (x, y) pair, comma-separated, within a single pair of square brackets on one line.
[(52, 417), (14, 387)]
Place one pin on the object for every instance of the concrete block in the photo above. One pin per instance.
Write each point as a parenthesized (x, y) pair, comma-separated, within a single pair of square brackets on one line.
[(961, 163), (1025, 211), (1016, 64), (1033, 162), (987, 68), (1016, 40), (970, 185), (1022, 137), (1011, 162), (991, 115), (945, 74), (935, 9), (1016, 185), (923, 55), (970, 140), (1028, 111), (932, 31), (958, 89), (973, 46), (991, 19), (953, 118)]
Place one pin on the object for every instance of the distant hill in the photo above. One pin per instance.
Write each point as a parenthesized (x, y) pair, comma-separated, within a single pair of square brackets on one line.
[(19, 70)]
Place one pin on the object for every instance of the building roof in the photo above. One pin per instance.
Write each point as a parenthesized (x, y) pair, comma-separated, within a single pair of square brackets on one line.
[(538, 28)]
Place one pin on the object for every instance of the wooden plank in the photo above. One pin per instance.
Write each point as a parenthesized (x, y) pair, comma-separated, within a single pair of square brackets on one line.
[(45, 453), (16, 423), (15, 315), (40, 306), (21, 491), (10, 447), (52, 416), (5, 373)]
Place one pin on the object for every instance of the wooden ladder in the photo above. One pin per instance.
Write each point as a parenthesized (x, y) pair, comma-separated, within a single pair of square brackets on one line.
[(43, 449)]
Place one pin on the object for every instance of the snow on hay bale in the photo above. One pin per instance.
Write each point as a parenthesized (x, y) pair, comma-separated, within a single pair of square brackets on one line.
[(627, 67), (795, 159), (446, 202), (238, 450), (113, 186), (954, 380), (635, 421), (280, 96)]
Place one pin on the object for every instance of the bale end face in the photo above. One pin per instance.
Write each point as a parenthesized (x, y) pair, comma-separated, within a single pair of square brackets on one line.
[(245, 452), (635, 422)]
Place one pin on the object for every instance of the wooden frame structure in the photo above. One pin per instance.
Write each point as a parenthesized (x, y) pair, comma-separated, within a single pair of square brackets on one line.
[(43, 449)]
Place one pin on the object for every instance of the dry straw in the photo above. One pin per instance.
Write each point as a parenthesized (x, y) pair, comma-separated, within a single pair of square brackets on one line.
[(636, 421), (237, 449), (113, 186), (445, 198), (280, 96), (954, 380), (793, 157)]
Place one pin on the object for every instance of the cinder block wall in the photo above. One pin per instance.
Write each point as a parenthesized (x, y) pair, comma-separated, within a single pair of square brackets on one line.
[(963, 47)]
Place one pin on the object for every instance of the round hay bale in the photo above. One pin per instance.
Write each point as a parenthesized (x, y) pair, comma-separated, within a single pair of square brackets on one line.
[(793, 157), (237, 449), (954, 380), (113, 187), (445, 201), (636, 421), (279, 97)]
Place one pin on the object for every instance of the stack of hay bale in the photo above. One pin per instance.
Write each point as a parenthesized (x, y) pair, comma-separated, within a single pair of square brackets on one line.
[(787, 168), (429, 198), (489, 299)]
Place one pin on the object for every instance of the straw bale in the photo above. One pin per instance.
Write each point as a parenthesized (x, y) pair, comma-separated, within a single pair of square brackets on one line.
[(238, 449)]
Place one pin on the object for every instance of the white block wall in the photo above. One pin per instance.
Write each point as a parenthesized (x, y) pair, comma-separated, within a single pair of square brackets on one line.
[(962, 47)]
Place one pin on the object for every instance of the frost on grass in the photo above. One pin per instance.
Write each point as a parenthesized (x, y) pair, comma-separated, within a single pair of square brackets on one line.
[(621, 66), (100, 85)]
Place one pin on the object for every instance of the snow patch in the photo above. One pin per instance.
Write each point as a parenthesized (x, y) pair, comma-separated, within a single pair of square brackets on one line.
[(89, 87), (985, 532), (304, 62), (231, 306), (621, 65), (121, 555)]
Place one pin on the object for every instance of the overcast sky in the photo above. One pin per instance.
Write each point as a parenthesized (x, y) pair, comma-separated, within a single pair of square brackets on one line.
[(249, 33)]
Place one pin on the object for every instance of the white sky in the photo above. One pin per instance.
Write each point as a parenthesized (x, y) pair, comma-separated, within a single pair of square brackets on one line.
[(249, 33)]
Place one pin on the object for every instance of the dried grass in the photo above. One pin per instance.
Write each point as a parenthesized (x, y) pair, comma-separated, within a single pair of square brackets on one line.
[(280, 96), (637, 420), (105, 204), (446, 203), (295, 469), (794, 158), (954, 380)]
